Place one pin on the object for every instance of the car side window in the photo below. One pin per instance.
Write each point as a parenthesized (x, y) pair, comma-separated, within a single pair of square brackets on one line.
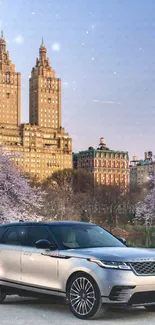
[(36, 233), (2, 231), (14, 236)]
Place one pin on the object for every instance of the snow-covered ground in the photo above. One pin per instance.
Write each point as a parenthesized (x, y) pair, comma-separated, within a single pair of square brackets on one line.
[(16, 311)]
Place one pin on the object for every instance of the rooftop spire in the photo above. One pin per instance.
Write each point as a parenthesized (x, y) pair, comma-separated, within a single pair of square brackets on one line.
[(2, 43), (42, 51)]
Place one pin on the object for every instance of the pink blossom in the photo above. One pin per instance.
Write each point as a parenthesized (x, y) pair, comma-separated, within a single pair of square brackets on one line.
[(18, 199)]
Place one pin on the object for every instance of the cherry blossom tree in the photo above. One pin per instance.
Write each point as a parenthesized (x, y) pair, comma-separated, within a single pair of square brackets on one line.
[(18, 199), (145, 209)]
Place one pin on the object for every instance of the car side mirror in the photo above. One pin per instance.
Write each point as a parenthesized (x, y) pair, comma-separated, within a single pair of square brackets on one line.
[(123, 240), (44, 244)]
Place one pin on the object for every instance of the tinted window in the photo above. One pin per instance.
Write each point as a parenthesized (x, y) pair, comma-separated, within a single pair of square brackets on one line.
[(2, 230), (36, 233), (14, 236), (85, 236)]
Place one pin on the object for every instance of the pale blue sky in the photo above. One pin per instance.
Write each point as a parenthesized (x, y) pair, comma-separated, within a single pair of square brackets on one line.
[(104, 51)]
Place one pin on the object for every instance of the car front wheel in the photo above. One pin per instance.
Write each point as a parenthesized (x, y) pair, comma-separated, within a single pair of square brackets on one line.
[(2, 296), (84, 297)]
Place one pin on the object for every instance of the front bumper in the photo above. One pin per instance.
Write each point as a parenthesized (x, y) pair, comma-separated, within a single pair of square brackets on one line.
[(119, 287)]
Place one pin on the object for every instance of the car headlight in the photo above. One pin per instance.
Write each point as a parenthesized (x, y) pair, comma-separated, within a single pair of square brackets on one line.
[(111, 265)]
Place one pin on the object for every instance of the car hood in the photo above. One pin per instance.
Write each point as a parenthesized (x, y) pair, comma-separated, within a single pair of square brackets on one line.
[(126, 254)]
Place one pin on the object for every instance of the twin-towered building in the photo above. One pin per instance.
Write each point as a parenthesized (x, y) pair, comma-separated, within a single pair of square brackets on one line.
[(42, 144)]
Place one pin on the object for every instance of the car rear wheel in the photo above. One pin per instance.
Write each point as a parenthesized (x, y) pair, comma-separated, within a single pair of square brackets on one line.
[(150, 308), (85, 298), (2, 296)]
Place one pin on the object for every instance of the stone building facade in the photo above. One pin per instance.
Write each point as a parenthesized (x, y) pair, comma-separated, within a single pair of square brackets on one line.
[(142, 170), (109, 167), (42, 144)]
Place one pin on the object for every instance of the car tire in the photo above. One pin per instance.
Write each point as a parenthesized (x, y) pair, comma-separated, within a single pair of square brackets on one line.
[(150, 308), (84, 297), (2, 296)]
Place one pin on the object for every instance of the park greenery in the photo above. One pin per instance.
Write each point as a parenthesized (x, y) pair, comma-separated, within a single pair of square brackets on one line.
[(71, 194)]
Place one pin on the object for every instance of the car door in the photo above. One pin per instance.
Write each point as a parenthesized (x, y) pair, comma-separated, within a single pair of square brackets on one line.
[(39, 266), (10, 253)]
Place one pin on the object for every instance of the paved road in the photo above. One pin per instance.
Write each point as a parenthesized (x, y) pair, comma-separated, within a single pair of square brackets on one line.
[(18, 311)]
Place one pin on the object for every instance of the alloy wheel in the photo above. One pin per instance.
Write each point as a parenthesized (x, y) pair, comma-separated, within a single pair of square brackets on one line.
[(82, 296)]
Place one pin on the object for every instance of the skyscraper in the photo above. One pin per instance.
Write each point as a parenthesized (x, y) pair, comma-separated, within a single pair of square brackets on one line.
[(10, 88), (43, 145), (45, 93)]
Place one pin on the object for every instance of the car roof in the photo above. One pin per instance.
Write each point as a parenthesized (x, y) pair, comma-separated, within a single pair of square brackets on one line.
[(54, 223)]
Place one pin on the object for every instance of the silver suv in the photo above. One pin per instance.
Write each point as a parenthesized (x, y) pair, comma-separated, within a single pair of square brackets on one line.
[(81, 262)]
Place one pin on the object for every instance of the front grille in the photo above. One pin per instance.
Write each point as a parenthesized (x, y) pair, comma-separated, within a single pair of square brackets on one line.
[(140, 298), (143, 268)]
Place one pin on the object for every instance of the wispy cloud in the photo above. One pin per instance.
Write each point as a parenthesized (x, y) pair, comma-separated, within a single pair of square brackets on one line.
[(105, 102), (19, 39)]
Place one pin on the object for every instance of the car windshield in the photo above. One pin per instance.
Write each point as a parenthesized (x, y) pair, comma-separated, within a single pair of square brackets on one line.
[(84, 236)]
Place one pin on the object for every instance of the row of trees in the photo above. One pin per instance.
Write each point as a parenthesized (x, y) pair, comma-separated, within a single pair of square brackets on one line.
[(70, 195)]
